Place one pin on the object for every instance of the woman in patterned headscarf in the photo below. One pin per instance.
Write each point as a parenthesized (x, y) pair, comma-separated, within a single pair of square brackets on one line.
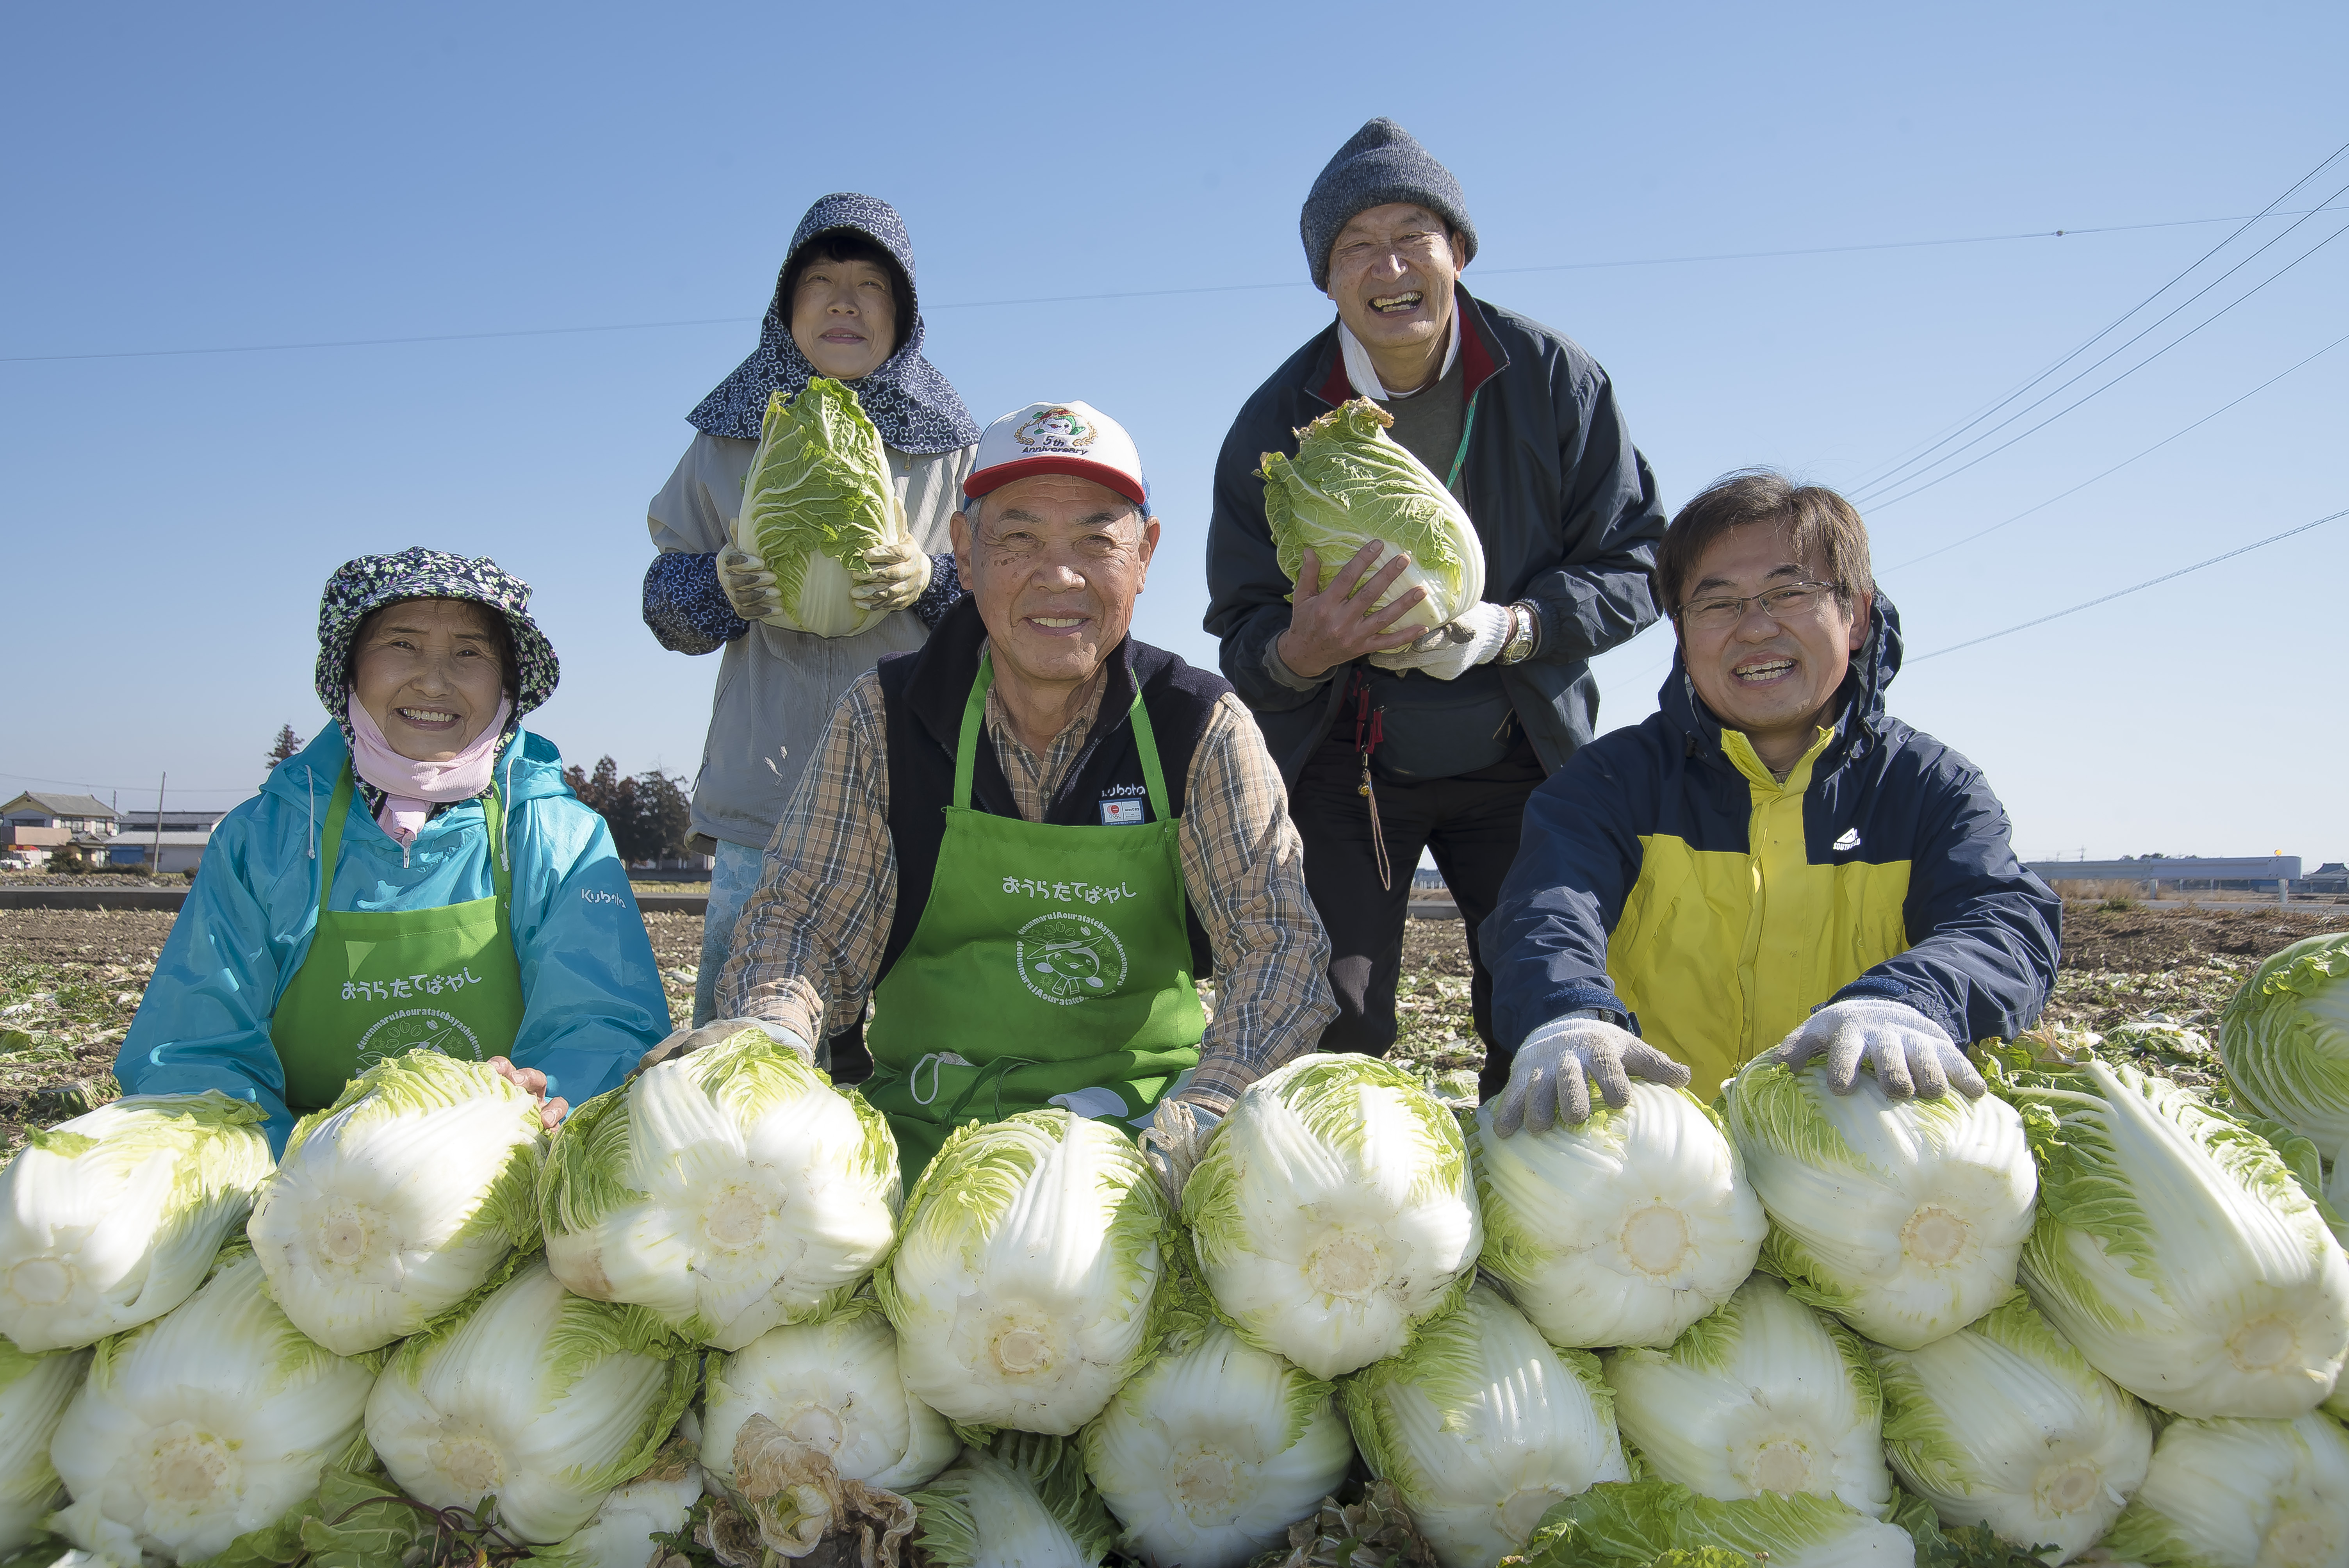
[(416, 875), (844, 307)]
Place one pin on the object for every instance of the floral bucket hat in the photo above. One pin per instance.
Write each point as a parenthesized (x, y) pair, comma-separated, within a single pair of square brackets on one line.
[(359, 587)]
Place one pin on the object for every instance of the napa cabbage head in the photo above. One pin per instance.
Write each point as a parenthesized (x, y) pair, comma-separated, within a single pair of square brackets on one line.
[(211, 1421), (721, 1193), (2225, 1493), (1767, 1395), (1482, 1426), (2003, 1424), (835, 1387), (2284, 1038), (818, 495), (2176, 1249), (1333, 1212), (1905, 1218), (112, 1219), (656, 1502), (33, 1390), (1350, 483), (397, 1201), (1214, 1449), (1620, 1230), (1642, 1523), (1025, 1283), (1021, 1501), (529, 1395)]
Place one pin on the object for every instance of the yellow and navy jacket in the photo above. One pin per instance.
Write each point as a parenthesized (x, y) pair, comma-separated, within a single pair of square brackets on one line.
[(1666, 876)]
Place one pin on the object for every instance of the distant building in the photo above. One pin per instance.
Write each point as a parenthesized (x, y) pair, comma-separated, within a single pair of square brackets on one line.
[(2333, 876), (175, 820), (2185, 874), (74, 813), (179, 852)]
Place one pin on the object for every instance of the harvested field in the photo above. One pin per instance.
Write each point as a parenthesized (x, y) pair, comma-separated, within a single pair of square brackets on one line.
[(71, 979)]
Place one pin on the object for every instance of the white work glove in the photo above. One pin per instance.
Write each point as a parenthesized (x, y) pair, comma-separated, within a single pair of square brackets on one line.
[(1912, 1055), (748, 585), (894, 575), (717, 1032), (1550, 1081), (1473, 638), (1174, 1140)]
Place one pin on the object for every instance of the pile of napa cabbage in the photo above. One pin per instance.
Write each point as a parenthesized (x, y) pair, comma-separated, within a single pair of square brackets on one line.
[(2087, 1314)]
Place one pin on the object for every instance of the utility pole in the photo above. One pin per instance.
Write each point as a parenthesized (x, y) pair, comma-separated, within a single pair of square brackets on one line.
[(156, 867)]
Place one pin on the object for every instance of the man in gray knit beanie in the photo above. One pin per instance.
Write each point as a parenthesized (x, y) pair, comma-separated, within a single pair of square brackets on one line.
[(1447, 735)]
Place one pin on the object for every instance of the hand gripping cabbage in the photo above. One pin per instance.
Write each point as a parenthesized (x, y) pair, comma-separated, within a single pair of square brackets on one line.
[(212, 1421), (1767, 1395), (2284, 1038), (1024, 1288), (1214, 1449), (543, 1399), (1620, 1230), (818, 495), (1350, 483), (2002, 1424), (1481, 1428), (1333, 1212), (2176, 1249), (111, 1220), (398, 1201), (1905, 1218), (723, 1192)]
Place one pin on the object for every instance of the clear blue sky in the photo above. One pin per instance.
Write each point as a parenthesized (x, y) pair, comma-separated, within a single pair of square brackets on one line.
[(184, 177)]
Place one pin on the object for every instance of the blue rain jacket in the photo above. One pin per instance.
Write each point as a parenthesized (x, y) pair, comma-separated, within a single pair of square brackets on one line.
[(593, 996)]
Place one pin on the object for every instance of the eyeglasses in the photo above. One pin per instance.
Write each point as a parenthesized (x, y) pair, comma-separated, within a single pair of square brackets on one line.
[(1791, 602)]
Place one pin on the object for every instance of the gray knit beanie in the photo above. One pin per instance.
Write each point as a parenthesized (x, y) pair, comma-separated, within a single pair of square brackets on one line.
[(1380, 163)]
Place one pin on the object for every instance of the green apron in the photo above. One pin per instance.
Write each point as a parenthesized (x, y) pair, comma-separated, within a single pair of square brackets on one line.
[(1051, 966), (379, 983)]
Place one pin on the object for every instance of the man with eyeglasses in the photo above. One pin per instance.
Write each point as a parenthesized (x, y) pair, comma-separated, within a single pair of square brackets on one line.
[(1771, 861), (1392, 746)]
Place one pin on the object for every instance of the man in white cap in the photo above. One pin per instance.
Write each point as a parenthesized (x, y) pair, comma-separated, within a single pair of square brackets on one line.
[(1026, 841)]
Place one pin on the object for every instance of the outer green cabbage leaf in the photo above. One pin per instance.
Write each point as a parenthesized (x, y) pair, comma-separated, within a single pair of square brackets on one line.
[(1654, 1523), (723, 1192), (33, 1390), (2176, 1250), (1620, 1230), (1350, 483), (1214, 1449), (213, 1421), (112, 1219), (1767, 1395), (2003, 1424), (1022, 1501), (818, 495), (399, 1201), (1025, 1283), (2284, 1038), (2232, 1494), (1904, 1218), (1333, 1212), (836, 1387), (538, 1398), (655, 1502), (1482, 1426)]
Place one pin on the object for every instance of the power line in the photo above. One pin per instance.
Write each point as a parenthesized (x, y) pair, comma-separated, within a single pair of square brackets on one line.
[(2124, 462), (239, 789), (1952, 473), (1909, 460), (2124, 592), (1086, 298)]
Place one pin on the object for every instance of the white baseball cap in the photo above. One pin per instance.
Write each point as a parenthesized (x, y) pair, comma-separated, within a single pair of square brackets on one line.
[(1058, 438)]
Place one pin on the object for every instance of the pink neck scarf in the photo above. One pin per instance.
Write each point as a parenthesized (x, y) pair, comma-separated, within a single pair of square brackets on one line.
[(411, 789)]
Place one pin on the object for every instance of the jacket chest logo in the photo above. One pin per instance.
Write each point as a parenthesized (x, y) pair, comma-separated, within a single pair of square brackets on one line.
[(1849, 842), (1065, 959)]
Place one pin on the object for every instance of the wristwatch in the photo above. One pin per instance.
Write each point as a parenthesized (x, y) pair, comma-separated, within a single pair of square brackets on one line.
[(1525, 628)]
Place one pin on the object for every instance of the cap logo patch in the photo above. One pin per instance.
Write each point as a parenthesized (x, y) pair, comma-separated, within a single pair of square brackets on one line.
[(1056, 429)]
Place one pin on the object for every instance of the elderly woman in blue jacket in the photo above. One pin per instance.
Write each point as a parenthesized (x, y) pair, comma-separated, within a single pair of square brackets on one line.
[(416, 875)]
